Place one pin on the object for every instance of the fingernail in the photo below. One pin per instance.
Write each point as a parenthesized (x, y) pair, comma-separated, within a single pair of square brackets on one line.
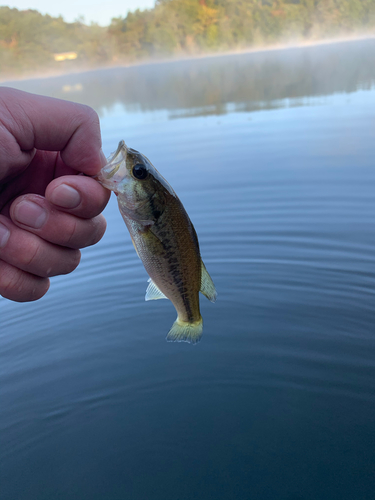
[(65, 196), (30, 214), (4, 235), (103, 158)]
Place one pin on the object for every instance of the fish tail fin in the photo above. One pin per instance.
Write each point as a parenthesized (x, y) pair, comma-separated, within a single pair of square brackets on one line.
[(182, 331)]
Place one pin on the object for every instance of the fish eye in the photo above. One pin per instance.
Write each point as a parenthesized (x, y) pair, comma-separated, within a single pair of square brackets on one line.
[(140, 171)]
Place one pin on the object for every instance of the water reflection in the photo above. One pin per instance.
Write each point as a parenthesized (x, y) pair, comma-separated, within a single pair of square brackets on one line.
[(245, 82), (278, 400)]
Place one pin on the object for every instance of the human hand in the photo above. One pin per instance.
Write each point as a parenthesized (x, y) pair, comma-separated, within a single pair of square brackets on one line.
[(47, 211)]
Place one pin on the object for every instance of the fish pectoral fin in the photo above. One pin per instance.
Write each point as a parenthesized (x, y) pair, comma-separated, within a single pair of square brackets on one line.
[(134, 245), (153, 242), (153, 292), (207, 285), (182, 331)]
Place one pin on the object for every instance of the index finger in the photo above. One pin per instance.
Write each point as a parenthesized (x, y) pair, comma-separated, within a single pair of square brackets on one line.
[(50, 124)]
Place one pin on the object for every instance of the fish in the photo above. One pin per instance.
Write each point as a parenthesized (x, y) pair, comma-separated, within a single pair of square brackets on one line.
[(163, 237)]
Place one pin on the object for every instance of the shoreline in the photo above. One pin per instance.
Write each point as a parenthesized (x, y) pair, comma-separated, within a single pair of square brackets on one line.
[(191, 57)]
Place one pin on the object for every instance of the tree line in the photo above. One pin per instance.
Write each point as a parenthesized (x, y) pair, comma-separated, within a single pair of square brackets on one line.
[(29, 41)]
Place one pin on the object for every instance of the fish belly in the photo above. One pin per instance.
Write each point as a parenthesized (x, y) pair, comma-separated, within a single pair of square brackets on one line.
[(173, 263)]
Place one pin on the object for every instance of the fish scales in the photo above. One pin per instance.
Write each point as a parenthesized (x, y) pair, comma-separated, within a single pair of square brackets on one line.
[(172, 263), (163, 236)]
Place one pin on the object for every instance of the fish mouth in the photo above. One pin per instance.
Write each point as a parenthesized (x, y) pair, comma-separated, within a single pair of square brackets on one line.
[(115, 171), (115, 160)]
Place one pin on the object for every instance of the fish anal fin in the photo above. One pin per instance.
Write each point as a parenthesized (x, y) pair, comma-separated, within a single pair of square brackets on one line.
[(182, 331), (153, 292), (207, 285)]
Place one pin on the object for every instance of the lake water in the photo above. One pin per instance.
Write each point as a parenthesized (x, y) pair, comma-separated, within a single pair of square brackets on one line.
[(273, 156)]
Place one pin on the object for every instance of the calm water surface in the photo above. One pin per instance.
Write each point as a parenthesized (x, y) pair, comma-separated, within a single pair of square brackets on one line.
[(273, 156)]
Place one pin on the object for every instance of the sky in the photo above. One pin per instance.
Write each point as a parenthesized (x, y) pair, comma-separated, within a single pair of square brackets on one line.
[(93, 11)]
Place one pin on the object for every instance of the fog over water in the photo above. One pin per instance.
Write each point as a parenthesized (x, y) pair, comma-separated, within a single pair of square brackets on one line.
[(217, 85), (272, 154)]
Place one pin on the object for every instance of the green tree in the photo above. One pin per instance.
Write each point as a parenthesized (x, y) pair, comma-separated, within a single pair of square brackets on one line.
[(29, 40)]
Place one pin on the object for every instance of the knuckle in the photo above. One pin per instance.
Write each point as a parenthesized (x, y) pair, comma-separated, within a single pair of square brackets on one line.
[(30, 257), (19, 286), (71, 234), (98, 225), (9, 279), (64, 263), (75, 259), (87, 116), (84, 233), (94, 200), (92, 115)]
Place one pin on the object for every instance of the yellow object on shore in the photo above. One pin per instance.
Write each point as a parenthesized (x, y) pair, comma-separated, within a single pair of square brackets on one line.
[(63, 56)]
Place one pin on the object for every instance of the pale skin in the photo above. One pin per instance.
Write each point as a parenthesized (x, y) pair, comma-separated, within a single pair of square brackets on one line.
[(47, 211)]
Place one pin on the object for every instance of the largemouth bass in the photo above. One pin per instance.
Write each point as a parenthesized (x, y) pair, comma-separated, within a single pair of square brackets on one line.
[(163, 236)]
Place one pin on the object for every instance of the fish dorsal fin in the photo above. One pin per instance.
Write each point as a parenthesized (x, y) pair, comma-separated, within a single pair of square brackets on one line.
[(207, 285), (153, 292)]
